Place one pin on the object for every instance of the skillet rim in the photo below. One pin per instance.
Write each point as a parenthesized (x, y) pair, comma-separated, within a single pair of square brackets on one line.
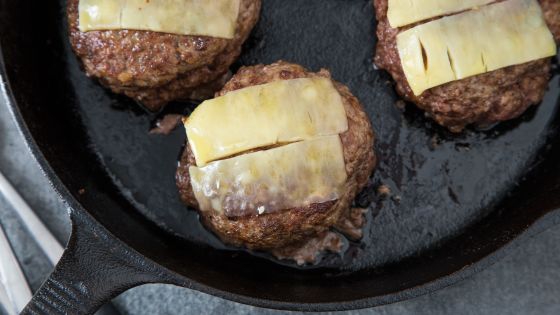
[(541, 224)]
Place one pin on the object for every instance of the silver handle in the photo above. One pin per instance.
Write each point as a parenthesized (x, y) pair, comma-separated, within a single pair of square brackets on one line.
[(5, 301), (12, 276), (46, 241)]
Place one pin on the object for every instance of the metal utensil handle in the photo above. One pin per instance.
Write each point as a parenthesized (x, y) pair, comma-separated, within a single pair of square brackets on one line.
[(94, 268), (41, 235), (12, 276), (6, 302)]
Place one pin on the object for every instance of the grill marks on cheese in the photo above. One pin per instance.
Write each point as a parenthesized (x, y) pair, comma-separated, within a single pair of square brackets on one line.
[(269, 147), (216, 18), (474, 42)]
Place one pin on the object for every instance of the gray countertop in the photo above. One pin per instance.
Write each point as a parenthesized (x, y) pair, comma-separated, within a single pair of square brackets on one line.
[(526, 282)]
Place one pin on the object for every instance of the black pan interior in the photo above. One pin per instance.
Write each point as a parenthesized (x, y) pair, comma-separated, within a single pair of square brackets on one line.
[(455, 198)]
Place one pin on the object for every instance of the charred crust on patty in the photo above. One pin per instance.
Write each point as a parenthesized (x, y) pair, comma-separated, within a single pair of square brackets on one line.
[(290, 226), (484, 99), (157, 68)]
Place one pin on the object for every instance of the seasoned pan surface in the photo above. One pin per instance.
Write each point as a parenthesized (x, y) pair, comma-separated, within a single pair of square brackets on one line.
[(454, 198), (440, 183)]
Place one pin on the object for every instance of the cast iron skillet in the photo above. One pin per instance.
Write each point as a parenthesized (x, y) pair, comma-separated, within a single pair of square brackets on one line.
[(459, 202)]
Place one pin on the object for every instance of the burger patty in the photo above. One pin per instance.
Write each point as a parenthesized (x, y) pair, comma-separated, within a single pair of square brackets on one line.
[(279, 229), (483, 99), (551, 9), (156, 68)]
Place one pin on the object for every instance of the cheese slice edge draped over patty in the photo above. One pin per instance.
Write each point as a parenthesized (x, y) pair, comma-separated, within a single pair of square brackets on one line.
[(215, 18)]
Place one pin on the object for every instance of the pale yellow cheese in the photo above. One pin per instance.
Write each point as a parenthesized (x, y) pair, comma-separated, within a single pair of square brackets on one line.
[(279, 112), (405, 12), (286, 177), (216, 18), (471, 43)]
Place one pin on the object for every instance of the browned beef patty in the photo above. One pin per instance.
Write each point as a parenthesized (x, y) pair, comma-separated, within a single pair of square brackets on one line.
[(483, 99), (551, 10), (282, 228), (156, 68)]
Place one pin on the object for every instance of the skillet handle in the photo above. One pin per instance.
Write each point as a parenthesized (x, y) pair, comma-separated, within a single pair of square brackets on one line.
[(94, 268)]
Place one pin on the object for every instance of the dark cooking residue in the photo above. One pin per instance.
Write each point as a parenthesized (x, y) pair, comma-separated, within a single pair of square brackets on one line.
[(166, 125), (308, 252), (350, 225), (383, 191)]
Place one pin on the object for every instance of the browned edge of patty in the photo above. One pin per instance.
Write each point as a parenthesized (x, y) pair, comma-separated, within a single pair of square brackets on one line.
[(483, 99), (278, 229), (551, 9), (156, 68)]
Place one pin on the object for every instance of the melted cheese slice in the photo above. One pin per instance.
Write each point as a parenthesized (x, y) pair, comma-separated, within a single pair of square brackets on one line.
[(405, 12), (475, 42), (286, 177), (259, 116), (216, 18)]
